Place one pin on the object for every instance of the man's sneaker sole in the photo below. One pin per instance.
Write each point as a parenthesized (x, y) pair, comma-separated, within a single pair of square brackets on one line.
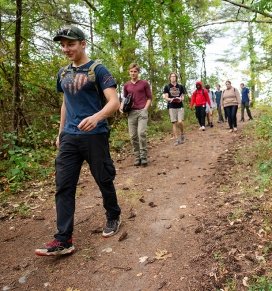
[(105, 234), (46, 253)]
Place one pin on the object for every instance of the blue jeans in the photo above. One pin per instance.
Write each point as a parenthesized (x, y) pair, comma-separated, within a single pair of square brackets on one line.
[(231, 112), (74, 149)]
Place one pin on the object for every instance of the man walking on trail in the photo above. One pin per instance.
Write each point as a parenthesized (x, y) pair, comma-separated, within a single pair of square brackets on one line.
[(138, 115), (83, 135), (173, 93), (218, 94), (200, 98), (245, 102)]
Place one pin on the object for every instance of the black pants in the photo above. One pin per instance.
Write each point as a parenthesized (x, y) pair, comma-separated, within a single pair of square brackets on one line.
[(245, 105), (74, 149), (200, 112), (231, 112)]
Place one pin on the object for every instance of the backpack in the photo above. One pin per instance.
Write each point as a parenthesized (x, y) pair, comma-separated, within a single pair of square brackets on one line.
[(128, 101), (91, 77)]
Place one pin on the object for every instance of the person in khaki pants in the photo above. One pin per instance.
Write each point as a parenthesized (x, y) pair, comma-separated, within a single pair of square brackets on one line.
[(138, 115)]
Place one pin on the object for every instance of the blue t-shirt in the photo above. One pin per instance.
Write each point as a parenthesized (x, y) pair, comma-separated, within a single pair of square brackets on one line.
[(245, 92), (81, 96)]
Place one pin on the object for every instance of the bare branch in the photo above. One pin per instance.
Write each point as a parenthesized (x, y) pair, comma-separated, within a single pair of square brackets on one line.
[(231, 21), (249, 8), (90, 5)]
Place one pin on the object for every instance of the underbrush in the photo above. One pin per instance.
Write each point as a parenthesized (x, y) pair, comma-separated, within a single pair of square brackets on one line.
[(255, 171), (24, 158)]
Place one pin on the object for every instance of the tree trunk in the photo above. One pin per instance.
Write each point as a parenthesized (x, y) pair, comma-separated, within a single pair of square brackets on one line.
[(16, 87), (252, 57)]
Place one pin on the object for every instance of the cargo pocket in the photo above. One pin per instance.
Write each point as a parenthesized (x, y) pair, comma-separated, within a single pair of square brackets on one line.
[(108, 171)]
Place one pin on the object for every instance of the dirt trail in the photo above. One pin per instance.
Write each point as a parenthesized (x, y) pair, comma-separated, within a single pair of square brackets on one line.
[(163, 240)]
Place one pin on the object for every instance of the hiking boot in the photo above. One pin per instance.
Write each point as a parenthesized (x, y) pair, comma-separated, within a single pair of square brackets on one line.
[(211, 124), (177, 142), (235, 129), (112, 227), (56, 248), (144, 162), (203, 128), (181, 139), (137, 163)]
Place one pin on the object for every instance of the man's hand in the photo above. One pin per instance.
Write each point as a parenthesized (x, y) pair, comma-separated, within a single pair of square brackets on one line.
[(88, 123)]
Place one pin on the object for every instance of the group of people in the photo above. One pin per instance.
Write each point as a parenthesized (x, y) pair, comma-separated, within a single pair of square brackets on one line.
[(229, 100), (83, 131)]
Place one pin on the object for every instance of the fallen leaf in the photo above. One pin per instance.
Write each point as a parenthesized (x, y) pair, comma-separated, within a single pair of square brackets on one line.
[(123, 236), (143, 259), (152, 204), (142, 200), (162, 255), (245, 281), (107, 250), (162, 284), (132, 213)]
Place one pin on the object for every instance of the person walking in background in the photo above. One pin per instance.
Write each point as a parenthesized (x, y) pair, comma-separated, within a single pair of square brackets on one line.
[(245, 102), (209, 108), (218, 94), (199, 99), (138, 116), (173, 93), (83, 135), (230, 101)]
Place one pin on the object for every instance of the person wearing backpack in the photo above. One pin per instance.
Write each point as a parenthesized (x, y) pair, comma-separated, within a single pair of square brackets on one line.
[(218, 94), (245, 102), (173, 93), (83, 135), (230, 100), (141, 95), (199, 99)]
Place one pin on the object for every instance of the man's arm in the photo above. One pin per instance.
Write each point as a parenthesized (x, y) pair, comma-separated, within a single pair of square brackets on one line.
[(147, 104), (62, 119), (112, 106)]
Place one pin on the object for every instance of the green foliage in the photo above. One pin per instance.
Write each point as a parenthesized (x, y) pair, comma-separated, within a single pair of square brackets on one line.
[(261, 284), (23, 159)]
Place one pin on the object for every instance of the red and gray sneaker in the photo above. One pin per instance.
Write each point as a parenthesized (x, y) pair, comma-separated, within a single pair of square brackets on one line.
[(56, 248)]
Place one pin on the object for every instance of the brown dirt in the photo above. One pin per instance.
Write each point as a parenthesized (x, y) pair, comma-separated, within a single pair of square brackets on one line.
[(174, 214)]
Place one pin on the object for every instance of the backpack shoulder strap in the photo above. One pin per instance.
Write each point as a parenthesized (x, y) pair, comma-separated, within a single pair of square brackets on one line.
[(64, 72), (91, 73)]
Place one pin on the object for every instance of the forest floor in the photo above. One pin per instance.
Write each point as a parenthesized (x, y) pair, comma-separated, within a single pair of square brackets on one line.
[(182, 227)]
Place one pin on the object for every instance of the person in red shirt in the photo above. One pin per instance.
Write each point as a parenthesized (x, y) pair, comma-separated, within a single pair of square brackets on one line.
[(199, 99), (138, 115)]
